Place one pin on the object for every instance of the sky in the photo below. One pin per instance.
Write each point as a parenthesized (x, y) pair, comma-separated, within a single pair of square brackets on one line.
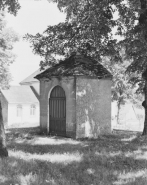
[(33, 17)]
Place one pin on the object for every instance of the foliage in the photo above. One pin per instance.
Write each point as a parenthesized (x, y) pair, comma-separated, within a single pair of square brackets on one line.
[(89, 28), (7, 38), (121, 88), (11, 5)]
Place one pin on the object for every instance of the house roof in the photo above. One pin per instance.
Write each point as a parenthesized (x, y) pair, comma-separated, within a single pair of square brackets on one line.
[(19, 94), (31, 78), (76, 64)]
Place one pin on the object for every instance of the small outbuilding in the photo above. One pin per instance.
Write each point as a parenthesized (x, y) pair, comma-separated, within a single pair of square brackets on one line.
[(75, 98)]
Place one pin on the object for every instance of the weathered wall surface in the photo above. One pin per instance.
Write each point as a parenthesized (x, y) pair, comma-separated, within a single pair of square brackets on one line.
[(93, 107), (25, 117), (68, 84), (4, 104)]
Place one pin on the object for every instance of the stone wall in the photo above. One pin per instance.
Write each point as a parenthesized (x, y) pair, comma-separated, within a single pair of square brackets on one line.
[(93, 107)]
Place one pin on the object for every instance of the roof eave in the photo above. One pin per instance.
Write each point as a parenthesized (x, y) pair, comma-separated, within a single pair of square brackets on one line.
[(60, 76)]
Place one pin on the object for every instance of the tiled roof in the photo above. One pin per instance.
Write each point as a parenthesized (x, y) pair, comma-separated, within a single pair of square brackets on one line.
[(31, 78), (19, 94), (76, 64)]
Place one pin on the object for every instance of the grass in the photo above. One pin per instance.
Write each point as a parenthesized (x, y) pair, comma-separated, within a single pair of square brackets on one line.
[(35, 159)]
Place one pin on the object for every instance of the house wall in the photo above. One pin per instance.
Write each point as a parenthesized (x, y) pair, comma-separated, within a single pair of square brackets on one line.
[(93, 107), (26, 117), (4, 104), (68, 84)]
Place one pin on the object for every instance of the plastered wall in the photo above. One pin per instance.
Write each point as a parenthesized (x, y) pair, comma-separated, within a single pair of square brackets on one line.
[(25, 117), (93, 107)]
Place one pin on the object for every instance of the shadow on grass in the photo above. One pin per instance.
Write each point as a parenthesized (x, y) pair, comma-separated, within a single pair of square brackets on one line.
[(120, 158)]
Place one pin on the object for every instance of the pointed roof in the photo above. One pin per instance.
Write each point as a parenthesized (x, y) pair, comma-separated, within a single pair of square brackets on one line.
[(31, 78), (75, 65), (19, 94)]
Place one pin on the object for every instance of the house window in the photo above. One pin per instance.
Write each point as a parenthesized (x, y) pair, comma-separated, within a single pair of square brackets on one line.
[(33, 110), (19, 110)]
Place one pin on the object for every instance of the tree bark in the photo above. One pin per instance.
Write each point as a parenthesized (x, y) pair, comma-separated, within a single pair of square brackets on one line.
[(144, 104), (145, 124), (143, 22), (3, 148), (118, 112)]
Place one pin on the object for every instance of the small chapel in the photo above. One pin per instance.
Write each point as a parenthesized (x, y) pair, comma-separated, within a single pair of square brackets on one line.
[(75, 98)]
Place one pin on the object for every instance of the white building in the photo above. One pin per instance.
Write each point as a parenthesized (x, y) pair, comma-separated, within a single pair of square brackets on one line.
[(20, 104)]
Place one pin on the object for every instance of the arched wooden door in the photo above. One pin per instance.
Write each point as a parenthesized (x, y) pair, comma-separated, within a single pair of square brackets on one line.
[(57, 112)]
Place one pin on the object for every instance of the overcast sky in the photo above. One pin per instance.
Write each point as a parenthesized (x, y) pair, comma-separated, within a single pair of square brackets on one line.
[(33, 17)]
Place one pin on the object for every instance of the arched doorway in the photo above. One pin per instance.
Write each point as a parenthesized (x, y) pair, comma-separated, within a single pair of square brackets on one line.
[(57, 112)]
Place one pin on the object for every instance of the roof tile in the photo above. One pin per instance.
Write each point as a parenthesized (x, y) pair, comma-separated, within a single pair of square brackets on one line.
[(76, 65), (19, 94)]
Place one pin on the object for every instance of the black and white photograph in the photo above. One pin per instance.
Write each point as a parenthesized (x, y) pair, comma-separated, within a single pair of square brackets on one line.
[(73, 92)]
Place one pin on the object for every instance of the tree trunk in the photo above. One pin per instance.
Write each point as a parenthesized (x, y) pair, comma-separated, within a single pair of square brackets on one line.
[(143, 22), (144, 104), (118, 112), (145, 123), (3, 149)]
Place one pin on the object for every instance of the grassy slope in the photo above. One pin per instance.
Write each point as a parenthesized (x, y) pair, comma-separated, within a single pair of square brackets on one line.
[(40, 160)]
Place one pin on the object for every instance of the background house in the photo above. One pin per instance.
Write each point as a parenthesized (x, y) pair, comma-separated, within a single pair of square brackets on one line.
[(19, 106), (75, 98), (32, 82)]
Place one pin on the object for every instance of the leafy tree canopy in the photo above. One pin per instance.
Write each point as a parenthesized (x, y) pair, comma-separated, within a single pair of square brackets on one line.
[(100, 29), (12, 6), (89, 28), (7, 39)]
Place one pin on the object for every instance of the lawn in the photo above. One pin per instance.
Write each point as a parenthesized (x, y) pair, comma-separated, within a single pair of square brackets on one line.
[(36, 159)]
